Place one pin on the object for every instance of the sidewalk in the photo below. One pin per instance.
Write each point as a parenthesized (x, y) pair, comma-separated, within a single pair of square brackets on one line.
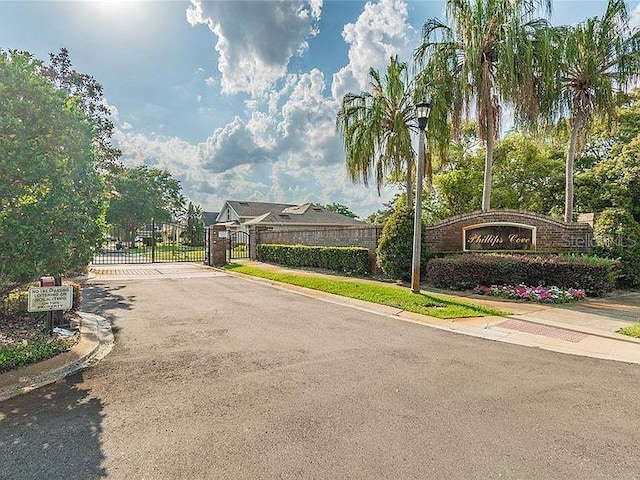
[(587, 328)]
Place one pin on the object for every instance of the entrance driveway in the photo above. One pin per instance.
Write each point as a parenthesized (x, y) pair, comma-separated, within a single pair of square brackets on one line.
[(214, 377)]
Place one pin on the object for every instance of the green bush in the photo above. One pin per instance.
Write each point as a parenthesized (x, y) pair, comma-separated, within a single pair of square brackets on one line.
[(617, 235), (18, 355), (595, 275), (351, 260), (395, 247)]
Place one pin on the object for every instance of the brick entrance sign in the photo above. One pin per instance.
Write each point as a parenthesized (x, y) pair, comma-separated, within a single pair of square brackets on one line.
[(506, 230)]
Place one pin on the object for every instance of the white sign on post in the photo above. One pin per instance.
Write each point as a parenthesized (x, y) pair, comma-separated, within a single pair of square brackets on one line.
[(44, 299)]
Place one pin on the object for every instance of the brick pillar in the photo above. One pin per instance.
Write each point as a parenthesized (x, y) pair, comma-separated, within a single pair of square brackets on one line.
[(217, 244), (254, 239)]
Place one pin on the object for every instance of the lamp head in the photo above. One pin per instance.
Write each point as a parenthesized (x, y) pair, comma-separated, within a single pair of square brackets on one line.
[(422, 113)]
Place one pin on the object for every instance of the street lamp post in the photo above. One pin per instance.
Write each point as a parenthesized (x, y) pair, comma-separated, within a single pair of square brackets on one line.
[(422, 113)]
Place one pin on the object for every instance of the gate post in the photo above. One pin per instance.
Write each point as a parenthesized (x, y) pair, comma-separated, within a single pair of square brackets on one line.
[(153, 240), (216, 255), (254, 239)]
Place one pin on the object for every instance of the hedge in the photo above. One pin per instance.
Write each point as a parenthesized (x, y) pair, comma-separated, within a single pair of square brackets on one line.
[(459, 272), (351, 260)]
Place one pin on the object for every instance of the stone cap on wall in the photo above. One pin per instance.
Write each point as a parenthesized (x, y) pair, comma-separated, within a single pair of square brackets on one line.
[(498, 215)]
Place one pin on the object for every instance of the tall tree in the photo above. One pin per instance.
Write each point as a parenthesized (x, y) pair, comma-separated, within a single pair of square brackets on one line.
[(488, 50), (87, 93), (599, 58), (341, 209), (51, 196), (376, 128), (142, 194), (193, 221)]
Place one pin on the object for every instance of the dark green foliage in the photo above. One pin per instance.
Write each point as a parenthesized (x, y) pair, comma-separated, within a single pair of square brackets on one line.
[(193, 233), (617, 235), (341, 209), (142, 194), (351, 260), (51, 196), (18, 355), (395, 247), (459, 272)]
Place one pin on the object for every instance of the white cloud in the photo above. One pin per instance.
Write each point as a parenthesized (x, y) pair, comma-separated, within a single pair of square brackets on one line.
[(381, 31), (256, 40), (232, 145), (308, 123), (295, 176), (284, 147), (634, 19)]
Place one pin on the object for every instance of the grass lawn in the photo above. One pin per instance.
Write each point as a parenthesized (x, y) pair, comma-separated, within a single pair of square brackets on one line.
[(631, 330), (390, 295)]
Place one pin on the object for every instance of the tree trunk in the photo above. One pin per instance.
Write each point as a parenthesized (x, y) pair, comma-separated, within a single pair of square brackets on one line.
[(488, 168), (571, 155), (410, 184)]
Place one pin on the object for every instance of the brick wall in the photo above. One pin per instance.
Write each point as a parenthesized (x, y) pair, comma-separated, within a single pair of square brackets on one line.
[(551, 234)]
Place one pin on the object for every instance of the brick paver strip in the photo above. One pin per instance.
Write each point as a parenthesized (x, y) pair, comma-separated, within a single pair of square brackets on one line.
[(544, 330)]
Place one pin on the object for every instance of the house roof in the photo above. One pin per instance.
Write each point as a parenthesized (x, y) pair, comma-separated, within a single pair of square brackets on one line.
[(307, 214), (210, 218), (255, 209)]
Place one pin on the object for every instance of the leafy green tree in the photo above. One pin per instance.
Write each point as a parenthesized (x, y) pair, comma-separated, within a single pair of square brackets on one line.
[(341, 209), (51, 196), (617, 235), (614, 182), (87, 93), (488, 52), (376, 128), (528, 175), (142, 194), (193, 233), (597, 58)]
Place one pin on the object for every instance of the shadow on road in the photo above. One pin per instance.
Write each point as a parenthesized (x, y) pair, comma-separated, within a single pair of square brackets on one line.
[(104, 300), (52, 432)]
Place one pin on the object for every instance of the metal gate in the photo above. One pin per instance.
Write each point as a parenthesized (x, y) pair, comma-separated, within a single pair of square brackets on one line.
[(238, 245), (152, 243)]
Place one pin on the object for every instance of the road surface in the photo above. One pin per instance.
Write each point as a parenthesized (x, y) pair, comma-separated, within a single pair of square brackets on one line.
[(221, 377)]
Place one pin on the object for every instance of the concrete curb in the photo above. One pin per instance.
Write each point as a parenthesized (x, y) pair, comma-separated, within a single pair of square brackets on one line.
[(96, 341), (613, 346)]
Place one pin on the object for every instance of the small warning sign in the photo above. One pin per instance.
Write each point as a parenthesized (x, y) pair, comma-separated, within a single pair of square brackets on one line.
[(44, 299)]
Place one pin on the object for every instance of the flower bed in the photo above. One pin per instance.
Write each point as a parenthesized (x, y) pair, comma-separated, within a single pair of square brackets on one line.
[(532, 294)]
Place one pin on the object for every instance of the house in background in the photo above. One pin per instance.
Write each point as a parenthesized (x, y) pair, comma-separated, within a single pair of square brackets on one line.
[(210, 218), (239, 216)]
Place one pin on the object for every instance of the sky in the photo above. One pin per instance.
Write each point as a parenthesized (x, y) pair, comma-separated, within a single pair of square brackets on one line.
[(237, 99)]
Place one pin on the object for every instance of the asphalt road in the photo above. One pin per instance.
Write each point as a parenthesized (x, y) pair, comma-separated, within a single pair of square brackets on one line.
[(227, 378)]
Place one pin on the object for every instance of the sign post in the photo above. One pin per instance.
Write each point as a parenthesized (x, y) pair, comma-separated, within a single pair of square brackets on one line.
[(49, 298)]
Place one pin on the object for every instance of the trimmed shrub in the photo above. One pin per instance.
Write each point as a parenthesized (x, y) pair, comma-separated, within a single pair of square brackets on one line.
[(460, 272), (350, 260), (395, 247), (617, 235)]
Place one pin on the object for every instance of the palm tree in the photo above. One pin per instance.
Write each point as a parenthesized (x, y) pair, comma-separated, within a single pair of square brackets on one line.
[(599, 58), (490, 50), (376, 128)]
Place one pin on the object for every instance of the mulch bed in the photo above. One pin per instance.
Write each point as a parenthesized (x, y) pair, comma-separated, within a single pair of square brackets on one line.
[(31, 328)]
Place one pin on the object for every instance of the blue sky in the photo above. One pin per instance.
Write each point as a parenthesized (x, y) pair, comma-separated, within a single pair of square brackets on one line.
[(236, 99)]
